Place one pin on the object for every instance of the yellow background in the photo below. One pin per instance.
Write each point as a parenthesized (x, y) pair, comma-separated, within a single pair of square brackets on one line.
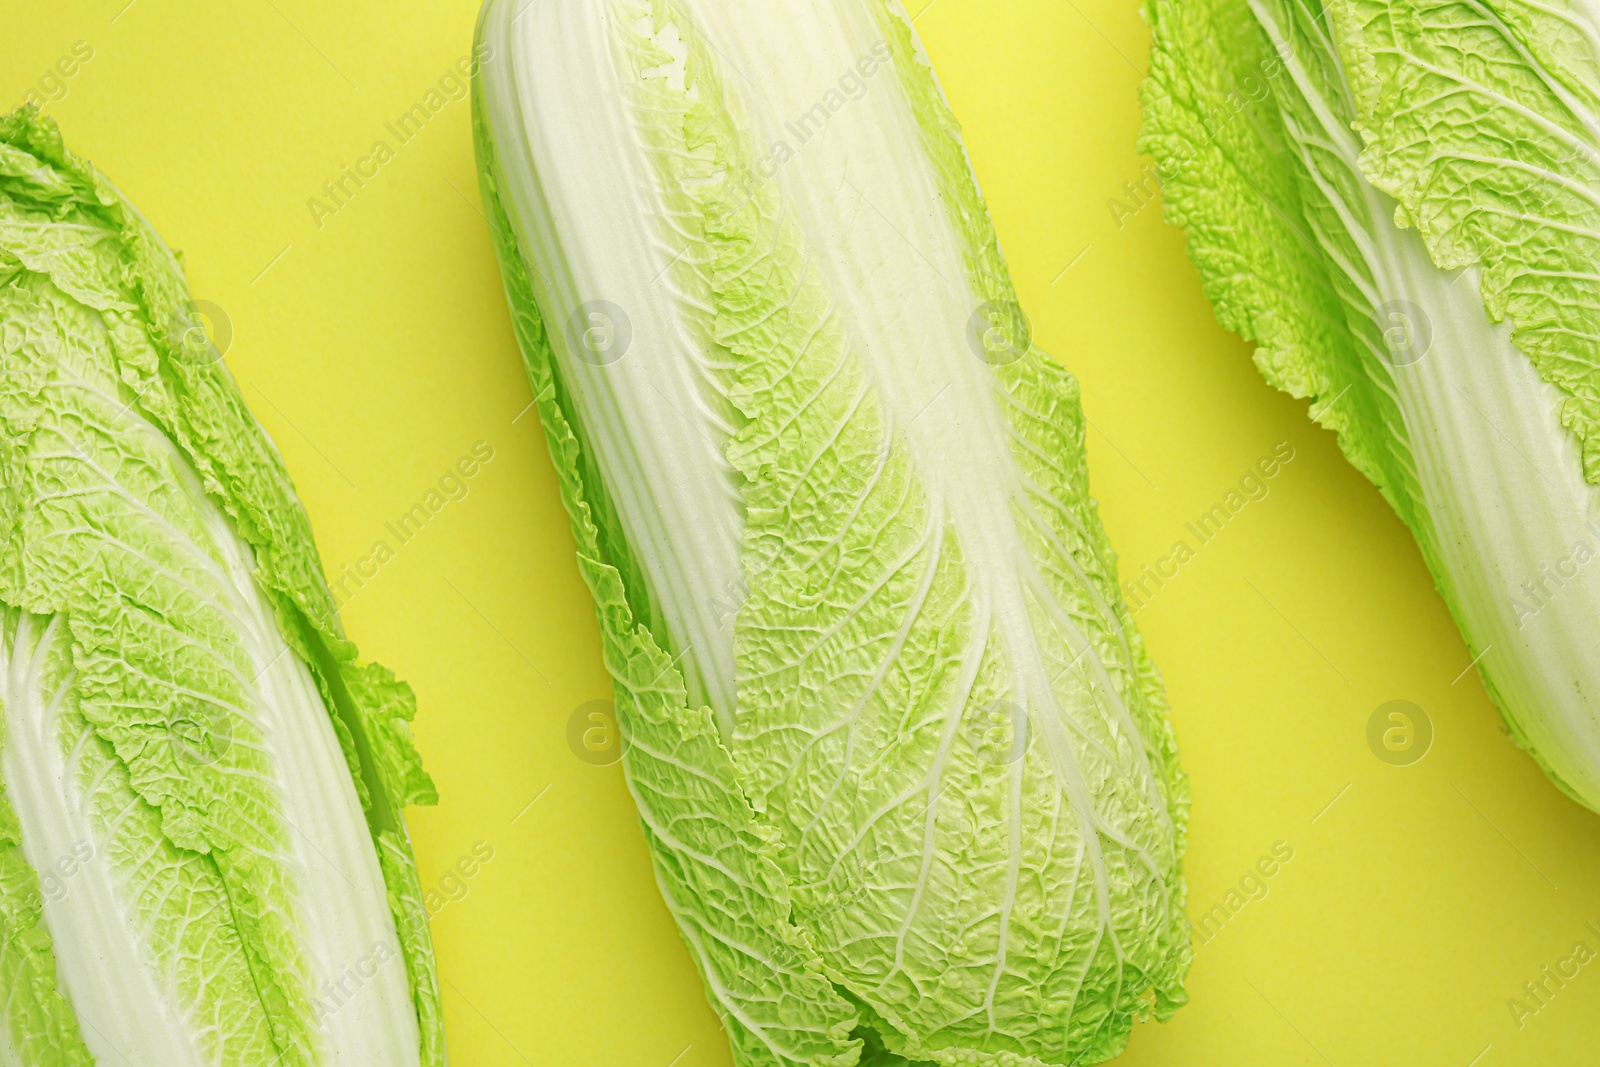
[(377, 351)]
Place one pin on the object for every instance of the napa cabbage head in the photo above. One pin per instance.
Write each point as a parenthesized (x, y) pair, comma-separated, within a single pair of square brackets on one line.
[(901, 760), (202, 856), (1399, 203)]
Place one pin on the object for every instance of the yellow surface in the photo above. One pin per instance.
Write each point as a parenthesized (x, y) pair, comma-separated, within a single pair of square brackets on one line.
[(377, 351)]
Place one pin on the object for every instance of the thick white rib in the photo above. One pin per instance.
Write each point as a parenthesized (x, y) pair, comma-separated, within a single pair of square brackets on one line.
[(573, 165)]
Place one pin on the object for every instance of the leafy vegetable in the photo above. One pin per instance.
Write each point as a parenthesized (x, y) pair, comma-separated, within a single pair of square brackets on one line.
[(901, 760), (1400, 204), (202, 859)]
